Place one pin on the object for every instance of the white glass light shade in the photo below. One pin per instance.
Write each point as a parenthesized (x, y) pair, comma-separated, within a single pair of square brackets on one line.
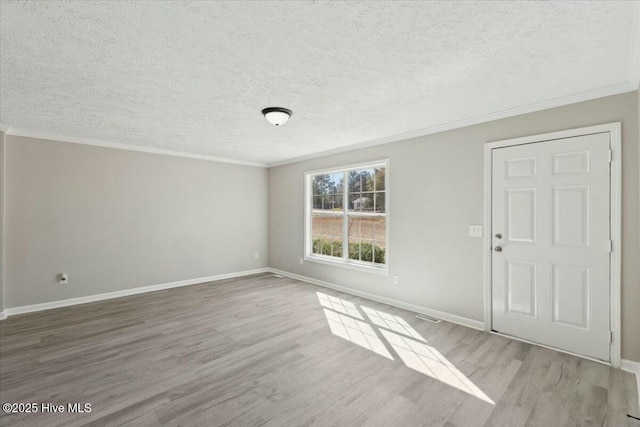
[(277, 116)]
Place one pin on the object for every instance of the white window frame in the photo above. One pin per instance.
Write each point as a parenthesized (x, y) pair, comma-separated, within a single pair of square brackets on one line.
[(345, 262)]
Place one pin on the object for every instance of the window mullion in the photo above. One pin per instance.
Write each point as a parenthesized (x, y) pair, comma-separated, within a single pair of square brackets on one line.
[(345, 218)]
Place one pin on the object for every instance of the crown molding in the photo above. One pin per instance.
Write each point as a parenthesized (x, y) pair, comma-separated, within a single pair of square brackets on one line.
[(538, 106), (634, 55), (28, 133)]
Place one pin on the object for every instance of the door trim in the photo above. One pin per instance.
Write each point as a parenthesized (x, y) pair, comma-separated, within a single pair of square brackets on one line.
[(614, 130)]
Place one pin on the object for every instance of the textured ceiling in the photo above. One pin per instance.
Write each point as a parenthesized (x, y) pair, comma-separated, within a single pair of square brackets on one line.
[(194, 76)]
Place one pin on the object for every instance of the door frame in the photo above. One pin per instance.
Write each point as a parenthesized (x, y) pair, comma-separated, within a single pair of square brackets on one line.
[(614, 130)]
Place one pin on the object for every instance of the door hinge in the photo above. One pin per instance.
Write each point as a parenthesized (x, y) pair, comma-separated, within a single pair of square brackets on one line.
[(610, 156), (610, 337), (610, 246)]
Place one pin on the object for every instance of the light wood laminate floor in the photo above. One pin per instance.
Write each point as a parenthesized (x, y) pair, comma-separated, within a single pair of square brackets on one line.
[(271, 351)]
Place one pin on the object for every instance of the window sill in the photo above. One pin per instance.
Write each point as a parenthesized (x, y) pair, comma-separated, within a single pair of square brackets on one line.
[(383, 271)]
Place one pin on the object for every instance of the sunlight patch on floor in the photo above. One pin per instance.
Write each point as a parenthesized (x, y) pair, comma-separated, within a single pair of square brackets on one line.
[(429, 361), (359, 333), (339, 305), (346, 322), (394, 323)]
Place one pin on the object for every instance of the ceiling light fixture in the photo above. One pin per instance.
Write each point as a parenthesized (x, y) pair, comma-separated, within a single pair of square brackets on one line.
[(277, 115)]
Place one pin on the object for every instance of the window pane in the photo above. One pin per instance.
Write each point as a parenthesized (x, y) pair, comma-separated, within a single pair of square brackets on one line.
[(326, 234), (355, 229), (336, 247), (332, 225), (317, 202), (379, 174), (379, 202), (317, 245), (338, 182), (354, 202), (335, 203), (354, 250), (327, 203), (367, 238), (318, 184), (317, 226), (361, 250), (361, 202), (361, 180), (326, 247), (366, 250), (380, 231), (367, 176), (326, 184), (360, 228)]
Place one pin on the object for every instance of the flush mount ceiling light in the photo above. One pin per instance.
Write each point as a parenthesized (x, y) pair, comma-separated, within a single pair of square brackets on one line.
[(277, 115)]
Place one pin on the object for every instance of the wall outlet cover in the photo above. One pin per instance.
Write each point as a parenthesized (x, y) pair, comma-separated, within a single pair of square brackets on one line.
[(475, 230)]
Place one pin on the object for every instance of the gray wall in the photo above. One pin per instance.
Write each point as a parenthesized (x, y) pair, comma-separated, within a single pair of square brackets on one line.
[(2, 182), (115, 219), (436, 192)]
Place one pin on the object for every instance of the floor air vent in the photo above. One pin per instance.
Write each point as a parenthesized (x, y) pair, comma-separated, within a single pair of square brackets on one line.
[(428, 318)]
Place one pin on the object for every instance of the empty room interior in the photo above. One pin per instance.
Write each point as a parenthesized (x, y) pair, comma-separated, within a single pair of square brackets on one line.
[(331, 213)]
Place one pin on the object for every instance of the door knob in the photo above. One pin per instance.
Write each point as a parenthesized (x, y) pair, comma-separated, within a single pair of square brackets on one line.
[(498, 249)]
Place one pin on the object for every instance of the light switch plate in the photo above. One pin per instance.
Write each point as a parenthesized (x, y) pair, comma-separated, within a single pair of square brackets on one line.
[(475, 230)]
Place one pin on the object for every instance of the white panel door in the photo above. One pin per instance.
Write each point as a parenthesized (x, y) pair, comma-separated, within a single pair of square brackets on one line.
[(550, 257)]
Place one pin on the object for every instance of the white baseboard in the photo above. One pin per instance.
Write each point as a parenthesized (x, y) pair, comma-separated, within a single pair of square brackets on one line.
[(464, 321), (125, 292), (630, 366), (3, 315)]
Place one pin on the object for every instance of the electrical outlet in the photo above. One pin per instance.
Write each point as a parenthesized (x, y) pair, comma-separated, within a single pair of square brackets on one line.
[(475, 230), (63, 278), (301, 260), (256, 255), (396, 279)]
